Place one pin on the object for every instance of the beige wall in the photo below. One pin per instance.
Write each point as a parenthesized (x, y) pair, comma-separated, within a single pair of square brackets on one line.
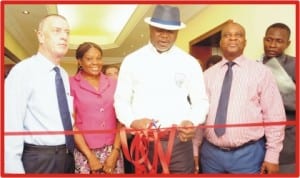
[(71, 68), (11, 44), (255, 19)]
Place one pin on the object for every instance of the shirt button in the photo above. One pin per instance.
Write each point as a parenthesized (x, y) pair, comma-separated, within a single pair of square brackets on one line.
[(102, 124)]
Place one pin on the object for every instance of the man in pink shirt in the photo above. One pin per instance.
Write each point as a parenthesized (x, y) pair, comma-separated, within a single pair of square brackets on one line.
[(253, 99)]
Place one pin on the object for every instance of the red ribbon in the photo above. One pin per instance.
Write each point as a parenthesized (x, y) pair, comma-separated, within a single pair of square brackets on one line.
[(139, 147), (22, 133), (138, 153)]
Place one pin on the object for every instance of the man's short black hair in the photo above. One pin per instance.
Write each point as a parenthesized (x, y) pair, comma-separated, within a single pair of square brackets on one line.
[(280, 25)]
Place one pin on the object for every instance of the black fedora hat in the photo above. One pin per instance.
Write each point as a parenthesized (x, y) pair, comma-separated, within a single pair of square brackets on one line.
[(165, 17)]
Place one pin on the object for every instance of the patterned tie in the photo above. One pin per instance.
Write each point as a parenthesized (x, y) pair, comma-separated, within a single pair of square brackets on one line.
[(63, 109), (223, 102)]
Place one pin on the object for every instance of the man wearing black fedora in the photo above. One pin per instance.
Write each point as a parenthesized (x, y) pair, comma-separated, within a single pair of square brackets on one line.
[(154, 84)]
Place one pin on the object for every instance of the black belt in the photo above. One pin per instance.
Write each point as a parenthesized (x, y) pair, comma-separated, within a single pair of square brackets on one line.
[(54, 148), (227, 149), (290, 112)]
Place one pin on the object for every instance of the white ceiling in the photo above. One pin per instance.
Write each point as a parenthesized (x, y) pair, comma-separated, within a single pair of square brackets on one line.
[(89, 23)]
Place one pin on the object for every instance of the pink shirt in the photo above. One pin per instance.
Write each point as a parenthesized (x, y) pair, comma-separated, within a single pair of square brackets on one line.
[(254, 98), (94, 109)]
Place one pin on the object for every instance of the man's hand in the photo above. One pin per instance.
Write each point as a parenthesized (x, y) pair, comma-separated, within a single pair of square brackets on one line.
[(186, 131), (269, 168), (141, 123)]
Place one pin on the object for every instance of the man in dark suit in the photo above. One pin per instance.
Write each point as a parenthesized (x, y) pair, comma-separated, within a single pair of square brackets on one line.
[(276, 41)]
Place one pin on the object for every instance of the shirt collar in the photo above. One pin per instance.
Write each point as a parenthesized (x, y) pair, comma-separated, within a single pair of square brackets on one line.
[(238, 61), (44, 62), (105, 82), (152, 48)]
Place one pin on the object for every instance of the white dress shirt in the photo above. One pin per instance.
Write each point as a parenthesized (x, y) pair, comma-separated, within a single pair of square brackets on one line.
[(31, 105), (156, 86)]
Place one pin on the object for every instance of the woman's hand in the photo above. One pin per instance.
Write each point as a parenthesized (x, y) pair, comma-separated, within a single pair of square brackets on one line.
[(111, 161), (94, 163)]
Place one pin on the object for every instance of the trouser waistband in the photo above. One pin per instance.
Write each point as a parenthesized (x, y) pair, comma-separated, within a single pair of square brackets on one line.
[(235, 148), (54, 148)]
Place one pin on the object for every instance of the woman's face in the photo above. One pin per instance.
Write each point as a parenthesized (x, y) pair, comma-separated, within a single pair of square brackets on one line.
[(91, 62), (112, 72)]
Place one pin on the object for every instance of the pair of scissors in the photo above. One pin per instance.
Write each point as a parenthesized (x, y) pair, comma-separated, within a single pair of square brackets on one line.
[(155, 124)]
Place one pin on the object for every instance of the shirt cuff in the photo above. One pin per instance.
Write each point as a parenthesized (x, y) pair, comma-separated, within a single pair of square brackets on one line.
[(272, 157)]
